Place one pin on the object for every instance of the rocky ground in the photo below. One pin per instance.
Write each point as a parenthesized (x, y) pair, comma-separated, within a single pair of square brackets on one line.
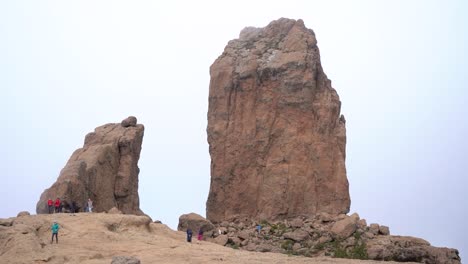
[(341, 236), (97, 237)]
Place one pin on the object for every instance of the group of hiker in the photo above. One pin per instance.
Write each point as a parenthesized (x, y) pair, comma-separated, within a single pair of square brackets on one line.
[(57, 206), (190, 233)]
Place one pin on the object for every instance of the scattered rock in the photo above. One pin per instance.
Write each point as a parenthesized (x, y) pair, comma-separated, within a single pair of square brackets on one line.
[(125, 260)]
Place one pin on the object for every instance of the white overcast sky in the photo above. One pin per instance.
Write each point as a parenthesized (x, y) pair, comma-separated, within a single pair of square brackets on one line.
[(400, 68)]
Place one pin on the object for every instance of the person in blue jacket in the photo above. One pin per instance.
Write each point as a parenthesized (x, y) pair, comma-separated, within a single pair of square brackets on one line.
[(55, 228)]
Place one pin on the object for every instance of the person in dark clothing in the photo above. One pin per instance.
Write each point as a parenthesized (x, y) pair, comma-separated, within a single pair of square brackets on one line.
[(72, 207), (189, 235), (200, 234)]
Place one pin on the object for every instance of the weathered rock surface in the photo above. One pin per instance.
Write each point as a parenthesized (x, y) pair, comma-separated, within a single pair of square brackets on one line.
[(97, 238), (339, 237), (277, 139), (105, 170)]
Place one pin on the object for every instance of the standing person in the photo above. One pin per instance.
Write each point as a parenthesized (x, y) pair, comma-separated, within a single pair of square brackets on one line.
[(200, 234), (57, 205), (90, 205), (50, 204), (189, 235), (259, 227), (72, 207), (55, 228)]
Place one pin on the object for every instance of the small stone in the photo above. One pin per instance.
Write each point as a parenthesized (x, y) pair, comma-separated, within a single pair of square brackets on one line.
[(125, 260)]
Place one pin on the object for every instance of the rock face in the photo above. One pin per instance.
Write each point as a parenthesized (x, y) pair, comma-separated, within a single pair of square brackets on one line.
[(277, 139), (104, 170)]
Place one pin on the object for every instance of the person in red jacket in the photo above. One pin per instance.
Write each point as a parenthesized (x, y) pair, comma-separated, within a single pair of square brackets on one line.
[(57, 205), (50, 204)]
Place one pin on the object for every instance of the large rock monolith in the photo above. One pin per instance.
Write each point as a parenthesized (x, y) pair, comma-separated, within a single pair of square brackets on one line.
[(104, 170), (277, 138)]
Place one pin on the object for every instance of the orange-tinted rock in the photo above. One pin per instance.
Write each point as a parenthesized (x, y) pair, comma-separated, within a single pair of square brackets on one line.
[(277, 139), (105, 170)]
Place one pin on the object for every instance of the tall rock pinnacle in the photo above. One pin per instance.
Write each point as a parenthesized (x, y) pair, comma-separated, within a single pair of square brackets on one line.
[(277, 139), (104, 170)]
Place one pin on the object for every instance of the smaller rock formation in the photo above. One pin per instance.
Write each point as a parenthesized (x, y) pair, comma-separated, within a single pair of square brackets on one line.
[(104, 170)]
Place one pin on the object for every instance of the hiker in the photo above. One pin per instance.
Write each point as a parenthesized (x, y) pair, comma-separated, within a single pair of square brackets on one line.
[(189, 235), (57, 205), (90, 205), (259, 227), (50, 204), (200, 234), (72, 207), (55, 228)]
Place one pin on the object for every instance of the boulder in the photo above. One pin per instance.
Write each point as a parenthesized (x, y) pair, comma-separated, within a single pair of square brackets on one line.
[(410, 249), (297, 223), (6, 221), (221, 240), (125, 260), (23, 213), (374, 229), (384, 230), (277, 138), (194, 222), (244, 234), (130, 121), (297, 235), (345, 228), (104, 170)]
